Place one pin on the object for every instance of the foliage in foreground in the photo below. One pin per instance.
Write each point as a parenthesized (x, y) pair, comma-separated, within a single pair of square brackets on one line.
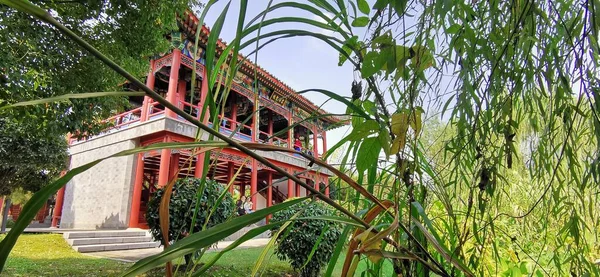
[(211, 211), (306, 243), (517, 176)]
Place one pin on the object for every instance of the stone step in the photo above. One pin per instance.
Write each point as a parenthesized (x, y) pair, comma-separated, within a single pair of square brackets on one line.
[(108, 240), (245, 230), (104, 234), (115, 246)]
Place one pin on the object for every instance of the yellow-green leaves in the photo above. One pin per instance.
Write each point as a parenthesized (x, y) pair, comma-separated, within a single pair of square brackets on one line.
[(367, 243), (421, 58), (386, 55), (398, 144), (415, 120), (401, 121)]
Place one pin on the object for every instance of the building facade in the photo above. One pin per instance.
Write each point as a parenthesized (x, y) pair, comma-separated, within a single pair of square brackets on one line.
[(258, 108)]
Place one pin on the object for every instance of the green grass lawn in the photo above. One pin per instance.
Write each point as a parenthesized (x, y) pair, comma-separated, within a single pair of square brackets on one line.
[(50, 255)]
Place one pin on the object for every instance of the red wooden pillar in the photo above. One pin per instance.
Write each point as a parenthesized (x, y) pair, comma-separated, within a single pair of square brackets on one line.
[(136, 199), (290, 133), (254, 172), (315, 142), (242, 189), (163, 169), (174, 166), (290, 186), (326, 181), (254, 183), (57, 207), (150, 84), (316, 186), (173, 81), (199, 170), (181, 90), (230, 169), (298, 190), (269, 191)]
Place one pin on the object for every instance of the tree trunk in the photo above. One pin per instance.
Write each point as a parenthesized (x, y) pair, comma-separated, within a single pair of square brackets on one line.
[(5, 215)]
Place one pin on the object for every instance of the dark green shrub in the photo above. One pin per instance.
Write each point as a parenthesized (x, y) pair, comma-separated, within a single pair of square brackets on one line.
[(296, 242), (181, 208)]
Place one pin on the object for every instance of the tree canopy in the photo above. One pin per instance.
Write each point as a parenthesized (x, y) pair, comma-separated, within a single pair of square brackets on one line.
[(28, 160), (39, 62)]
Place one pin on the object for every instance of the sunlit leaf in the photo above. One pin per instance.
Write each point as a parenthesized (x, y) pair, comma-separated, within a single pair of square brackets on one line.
[(360, 21), (363, 6)]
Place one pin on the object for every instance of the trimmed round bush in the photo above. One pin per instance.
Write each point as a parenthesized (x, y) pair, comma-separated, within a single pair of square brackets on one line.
[(296, 242), (181, 208)]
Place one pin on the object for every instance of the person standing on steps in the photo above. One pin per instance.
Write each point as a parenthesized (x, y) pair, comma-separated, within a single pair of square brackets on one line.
[(240, 205), (248, 206)]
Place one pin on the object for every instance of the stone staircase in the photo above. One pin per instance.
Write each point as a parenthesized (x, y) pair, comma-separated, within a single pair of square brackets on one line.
[(94, 241), (245, 230)]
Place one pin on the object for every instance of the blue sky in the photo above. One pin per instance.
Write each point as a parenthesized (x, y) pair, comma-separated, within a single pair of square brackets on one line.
[(301, 62)]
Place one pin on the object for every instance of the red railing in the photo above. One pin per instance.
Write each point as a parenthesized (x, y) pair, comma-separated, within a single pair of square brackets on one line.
[(155, 108), (232, 125), (188, 108), (115, 122), (269, 139)]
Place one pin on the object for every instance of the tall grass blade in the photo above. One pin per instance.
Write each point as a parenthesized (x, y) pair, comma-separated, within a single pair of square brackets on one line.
[(339, 247), (73, 96), (205, 238)]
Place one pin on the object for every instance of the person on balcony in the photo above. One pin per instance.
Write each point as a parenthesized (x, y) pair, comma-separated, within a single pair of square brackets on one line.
[(297, 144)]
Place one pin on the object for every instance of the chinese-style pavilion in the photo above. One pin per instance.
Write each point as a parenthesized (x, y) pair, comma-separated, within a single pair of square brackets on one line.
[(114, 193)]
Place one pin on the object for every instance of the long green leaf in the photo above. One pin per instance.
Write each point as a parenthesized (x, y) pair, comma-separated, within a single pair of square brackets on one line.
[(339, 247), (73, 96), (259, 230), (328, 39), (341, 99), (272, 21), (247, 236), (272, 241), (211, 45), (442, 249), (304, 7), (205, 238)]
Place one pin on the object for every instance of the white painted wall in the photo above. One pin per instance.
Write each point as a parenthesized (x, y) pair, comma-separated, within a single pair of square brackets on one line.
[(99, 197)]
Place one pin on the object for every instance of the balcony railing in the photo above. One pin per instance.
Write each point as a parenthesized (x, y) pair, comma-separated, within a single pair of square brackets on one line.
[(156, 110), (266, 138)]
